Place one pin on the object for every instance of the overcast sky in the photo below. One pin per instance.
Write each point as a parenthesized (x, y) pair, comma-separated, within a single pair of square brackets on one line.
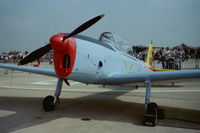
[(28, 24)]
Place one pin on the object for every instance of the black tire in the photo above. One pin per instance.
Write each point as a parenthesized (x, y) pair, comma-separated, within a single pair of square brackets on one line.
[(152, 108), (150, 117), (149, 120), (48, 104)]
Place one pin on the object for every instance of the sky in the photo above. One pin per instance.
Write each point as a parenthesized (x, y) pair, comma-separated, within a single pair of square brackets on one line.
[(28, 24)]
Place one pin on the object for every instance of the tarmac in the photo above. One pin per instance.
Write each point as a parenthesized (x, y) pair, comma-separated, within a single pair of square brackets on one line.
[(93, 108)]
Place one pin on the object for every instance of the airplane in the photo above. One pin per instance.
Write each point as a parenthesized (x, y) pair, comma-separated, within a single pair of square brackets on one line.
[(91, 61)]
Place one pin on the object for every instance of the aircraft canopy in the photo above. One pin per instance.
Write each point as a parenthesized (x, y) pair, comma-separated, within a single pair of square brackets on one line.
[(117, 42)]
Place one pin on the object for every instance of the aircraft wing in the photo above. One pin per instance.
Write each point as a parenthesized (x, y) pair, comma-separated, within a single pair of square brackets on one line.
[(125, 78), (37, 70)]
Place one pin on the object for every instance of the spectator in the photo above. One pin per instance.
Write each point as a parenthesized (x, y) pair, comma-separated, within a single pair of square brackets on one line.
[(144, 53), (178, 59), (162, 53), (168, 55)]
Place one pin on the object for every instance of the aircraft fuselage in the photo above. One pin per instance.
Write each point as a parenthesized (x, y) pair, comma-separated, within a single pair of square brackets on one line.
[(94, 63)]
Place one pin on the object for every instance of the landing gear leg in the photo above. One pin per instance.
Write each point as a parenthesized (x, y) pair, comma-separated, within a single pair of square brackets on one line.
[(50, 102), (152, 113)]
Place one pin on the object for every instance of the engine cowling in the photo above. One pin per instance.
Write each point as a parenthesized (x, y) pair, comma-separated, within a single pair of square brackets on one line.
[(64, 54)]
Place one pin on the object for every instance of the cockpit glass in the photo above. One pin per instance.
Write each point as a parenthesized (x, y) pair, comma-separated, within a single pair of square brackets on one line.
[(117, 42)]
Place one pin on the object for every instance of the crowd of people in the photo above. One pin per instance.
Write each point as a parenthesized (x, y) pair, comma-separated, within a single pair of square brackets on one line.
[(171, 58), (14, 57)]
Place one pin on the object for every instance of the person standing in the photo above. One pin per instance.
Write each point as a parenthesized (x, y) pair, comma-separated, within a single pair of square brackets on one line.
[(178, 59), (167, 57), (162, 54)]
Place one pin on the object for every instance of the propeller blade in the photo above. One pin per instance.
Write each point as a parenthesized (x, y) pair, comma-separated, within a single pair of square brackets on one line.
[(84, 26), (35, 55)]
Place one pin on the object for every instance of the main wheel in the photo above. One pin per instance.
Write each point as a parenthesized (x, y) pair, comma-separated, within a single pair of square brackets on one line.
[(152, 108), (150, 117), (48, 103)]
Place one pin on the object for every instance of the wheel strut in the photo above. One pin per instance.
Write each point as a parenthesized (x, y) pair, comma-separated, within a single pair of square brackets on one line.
[(50, 102), (152, 112)]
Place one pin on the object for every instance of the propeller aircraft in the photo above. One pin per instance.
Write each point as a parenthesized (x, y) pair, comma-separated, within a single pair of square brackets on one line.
[(91, 61)]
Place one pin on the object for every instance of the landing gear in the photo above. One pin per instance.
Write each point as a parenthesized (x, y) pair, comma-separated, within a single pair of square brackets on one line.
[(150, 116), (50, 102), (152, 112)]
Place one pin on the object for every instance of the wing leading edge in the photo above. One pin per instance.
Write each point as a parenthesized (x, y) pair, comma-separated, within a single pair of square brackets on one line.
[(125, 78), (37, 70)]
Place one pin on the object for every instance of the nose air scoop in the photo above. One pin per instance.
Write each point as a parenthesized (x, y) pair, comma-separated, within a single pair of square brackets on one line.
[(64, 54)]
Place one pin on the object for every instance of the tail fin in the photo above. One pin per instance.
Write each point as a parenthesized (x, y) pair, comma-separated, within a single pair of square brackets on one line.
[(149, 60)]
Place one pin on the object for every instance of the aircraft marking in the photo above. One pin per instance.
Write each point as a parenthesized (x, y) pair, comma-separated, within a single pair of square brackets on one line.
[(131, 66), (126, 66)]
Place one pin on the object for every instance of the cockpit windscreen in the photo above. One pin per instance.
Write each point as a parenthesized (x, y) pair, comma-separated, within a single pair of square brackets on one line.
[(117, 42)]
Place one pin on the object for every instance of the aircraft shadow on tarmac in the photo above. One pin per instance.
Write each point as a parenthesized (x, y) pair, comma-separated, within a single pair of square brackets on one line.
[(100, 106)]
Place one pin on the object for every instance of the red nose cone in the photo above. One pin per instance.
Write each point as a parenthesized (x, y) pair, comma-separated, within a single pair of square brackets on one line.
[(57, 43)]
